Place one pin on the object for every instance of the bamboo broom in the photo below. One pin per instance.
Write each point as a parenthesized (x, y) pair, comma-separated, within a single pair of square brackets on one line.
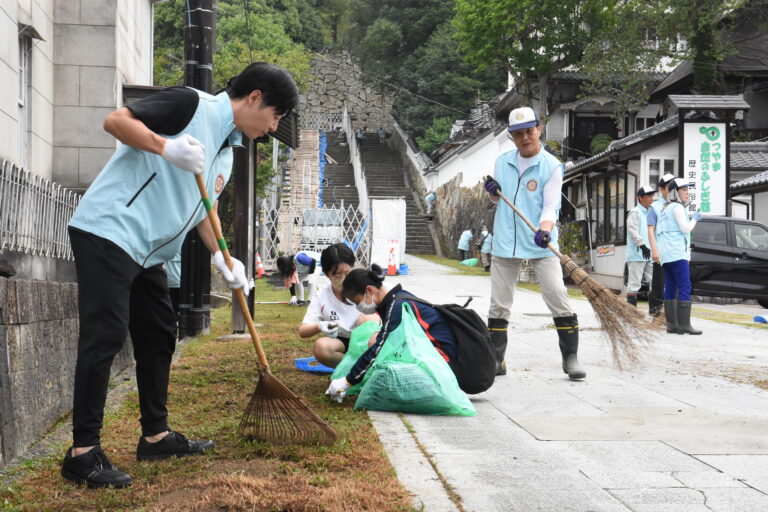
[(274, 413), (627, 329)]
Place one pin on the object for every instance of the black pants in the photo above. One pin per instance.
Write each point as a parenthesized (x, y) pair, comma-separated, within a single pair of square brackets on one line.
[(656, 296), (117, 296)]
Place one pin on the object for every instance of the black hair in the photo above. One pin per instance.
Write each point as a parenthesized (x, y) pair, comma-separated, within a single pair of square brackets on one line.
[(275, 83), (335, 255), (286, 266), (359, 279)]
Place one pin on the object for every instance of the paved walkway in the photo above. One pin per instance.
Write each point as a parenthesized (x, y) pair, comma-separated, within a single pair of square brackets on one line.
[(685, 431)]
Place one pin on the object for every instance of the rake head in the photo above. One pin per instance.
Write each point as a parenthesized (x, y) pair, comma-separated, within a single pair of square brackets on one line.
[(627, 329), (276, 415)]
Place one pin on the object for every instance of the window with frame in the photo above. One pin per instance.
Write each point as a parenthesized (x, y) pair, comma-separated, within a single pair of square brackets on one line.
[(659, 166), (25, 47), (712, 233), (608, 208), (751, 236)]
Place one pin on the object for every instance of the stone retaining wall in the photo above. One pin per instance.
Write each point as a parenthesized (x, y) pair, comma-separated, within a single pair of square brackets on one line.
[(38, 348), (459, 208)]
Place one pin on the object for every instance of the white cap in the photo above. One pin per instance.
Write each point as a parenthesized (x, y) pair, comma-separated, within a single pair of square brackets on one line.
[(521, 118), (664, 180), (646, 190), (678, 183)]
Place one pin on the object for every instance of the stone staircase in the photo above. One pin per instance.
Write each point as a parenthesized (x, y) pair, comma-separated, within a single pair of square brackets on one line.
[(340, 187), (386, 177)]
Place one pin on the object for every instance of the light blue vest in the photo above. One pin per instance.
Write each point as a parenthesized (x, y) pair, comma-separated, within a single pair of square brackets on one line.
[(173, 272), (513, 238), (487, 243), (464, 240), (144, 204), (658, 205), (672, 243), (633, 252)]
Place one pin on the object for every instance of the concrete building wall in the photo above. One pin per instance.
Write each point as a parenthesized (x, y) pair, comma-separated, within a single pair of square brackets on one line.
[(100, 45)]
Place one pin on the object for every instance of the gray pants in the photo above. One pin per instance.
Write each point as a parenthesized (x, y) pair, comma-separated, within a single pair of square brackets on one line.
[(636, 271), (504, 275)]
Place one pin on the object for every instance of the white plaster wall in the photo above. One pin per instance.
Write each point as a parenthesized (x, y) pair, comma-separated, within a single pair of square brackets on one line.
[(9, 85), (476, 162), (761, 207)]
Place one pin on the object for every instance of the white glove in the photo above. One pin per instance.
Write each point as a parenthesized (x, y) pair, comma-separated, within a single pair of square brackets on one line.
[(329, 328), (294, 300), (338, 389), (185, 152), (236, 277)]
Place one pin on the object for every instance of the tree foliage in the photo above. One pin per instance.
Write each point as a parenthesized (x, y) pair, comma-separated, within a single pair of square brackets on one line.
[(435, 135), (532, 39)]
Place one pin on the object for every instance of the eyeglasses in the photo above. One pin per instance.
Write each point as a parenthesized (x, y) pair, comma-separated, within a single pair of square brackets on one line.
[(520, 134)]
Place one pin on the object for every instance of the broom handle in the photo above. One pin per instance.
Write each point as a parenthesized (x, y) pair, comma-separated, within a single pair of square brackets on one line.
[(530, 225), (228, 259)]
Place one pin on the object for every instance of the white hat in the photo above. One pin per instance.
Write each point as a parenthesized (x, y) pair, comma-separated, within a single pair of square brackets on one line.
[(678, 183), (664, 180), (646, 190), (521, 118)]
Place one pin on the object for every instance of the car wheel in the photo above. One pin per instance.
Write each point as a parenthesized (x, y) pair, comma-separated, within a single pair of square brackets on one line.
[(763, 302)]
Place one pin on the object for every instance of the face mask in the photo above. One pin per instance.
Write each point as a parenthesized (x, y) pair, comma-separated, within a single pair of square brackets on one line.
[(365, 308)]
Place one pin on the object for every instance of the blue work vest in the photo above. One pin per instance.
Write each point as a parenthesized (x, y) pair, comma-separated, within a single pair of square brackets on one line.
[(144, 204), (464, 240), (303, 270), (633, 251), (673, 244), (512, 236), (658, 205), (487, 243)]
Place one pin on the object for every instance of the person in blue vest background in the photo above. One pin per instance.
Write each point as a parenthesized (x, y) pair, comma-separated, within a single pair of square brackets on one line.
[(486, 244), (133, 218), (673, 235), (639, 264), (464, 244), (532, 179), (297, 270), (656, 295)]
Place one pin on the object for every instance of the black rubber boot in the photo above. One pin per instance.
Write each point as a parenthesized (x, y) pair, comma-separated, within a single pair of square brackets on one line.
[(497, 327), (632, 299), (172, 445), (94, 469), (670, 312), (684, 318), (568, 334)]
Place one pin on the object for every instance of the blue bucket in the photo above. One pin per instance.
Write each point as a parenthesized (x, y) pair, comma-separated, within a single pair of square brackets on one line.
[(403, 270)]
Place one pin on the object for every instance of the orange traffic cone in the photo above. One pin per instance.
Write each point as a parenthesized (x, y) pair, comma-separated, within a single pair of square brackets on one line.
[(391, 269), (259, 267)]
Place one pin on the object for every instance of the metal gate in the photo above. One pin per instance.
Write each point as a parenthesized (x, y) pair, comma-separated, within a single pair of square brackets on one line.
[(287, 230)]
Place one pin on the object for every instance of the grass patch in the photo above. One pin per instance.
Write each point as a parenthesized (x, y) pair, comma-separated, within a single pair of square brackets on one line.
[(727, 318), (210, 387)]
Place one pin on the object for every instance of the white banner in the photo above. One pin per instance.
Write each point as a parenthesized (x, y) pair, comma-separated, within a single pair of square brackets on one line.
[(704, 161), (388, 227)]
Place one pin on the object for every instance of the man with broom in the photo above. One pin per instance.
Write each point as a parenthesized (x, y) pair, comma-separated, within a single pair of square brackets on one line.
[(532, 178), (133, 218)]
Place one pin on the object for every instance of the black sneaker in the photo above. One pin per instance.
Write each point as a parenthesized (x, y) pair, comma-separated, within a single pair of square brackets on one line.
[(93, 468), (172, 445)]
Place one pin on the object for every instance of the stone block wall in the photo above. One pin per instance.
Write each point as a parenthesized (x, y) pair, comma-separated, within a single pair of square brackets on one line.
[(459, 208), (337, 80), (38, 348)]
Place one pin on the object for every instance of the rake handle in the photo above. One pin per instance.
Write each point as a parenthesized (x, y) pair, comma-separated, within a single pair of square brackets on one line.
[(530, 225), (214, 218)]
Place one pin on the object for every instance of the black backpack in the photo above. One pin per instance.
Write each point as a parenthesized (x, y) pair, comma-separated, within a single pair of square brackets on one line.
[(475, 362)]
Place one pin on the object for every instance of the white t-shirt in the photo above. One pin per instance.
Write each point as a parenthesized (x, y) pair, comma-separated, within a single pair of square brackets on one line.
[(325, 306)]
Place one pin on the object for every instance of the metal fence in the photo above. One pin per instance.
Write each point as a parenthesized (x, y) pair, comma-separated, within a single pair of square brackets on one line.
[(287, 230), (34, 213), (357, 163)]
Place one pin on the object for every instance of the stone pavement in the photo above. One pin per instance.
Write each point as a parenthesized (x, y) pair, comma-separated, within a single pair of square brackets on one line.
[(684, 431)]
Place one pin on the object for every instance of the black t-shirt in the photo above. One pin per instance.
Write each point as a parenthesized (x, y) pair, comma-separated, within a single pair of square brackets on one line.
[(167, 112)]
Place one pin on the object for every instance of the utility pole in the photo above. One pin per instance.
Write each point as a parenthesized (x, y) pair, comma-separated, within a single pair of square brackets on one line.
[(195, 292)]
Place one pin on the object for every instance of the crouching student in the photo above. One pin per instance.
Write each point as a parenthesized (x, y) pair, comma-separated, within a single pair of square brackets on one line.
[(328, 312), (297, 271), (365, 289)]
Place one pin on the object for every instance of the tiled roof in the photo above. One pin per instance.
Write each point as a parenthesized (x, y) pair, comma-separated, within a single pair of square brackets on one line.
[(732, 101), (749, 155), (752, 181), (579, 76), (656, 129)]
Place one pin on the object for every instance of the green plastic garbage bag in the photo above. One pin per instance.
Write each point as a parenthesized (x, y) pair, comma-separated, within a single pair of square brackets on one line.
[(471, 262), (358, 344), (409, 375)]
